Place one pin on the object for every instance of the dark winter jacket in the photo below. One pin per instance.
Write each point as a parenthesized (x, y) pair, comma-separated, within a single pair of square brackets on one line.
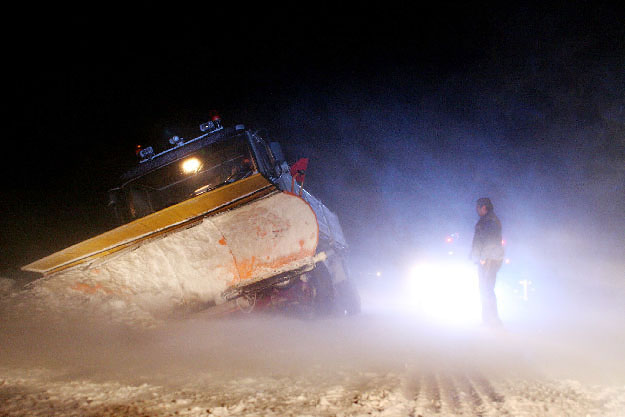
[(487, 239)]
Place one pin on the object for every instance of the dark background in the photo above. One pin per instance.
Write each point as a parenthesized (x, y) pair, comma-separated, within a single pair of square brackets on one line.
[(407, 116)]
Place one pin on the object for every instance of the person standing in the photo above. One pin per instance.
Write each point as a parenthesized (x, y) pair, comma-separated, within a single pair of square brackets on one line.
[(487, 252)]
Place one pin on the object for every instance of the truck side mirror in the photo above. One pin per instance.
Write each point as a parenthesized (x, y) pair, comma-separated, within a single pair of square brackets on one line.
[(276, 150)]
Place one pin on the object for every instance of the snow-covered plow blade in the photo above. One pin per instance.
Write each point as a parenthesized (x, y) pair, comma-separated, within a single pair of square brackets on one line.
[(151, 226), (194, 251), (210, 220)]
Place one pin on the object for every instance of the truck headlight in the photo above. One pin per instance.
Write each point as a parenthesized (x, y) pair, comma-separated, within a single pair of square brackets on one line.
[(191, 165)]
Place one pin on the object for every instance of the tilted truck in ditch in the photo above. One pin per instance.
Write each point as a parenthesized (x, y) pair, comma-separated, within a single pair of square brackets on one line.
[(216, 220)]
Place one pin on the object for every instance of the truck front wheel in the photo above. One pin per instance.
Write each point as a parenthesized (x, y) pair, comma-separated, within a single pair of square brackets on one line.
[(320, 283)]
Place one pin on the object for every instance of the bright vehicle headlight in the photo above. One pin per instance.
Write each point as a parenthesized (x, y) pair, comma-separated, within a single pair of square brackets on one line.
[(191, 165), (445, 292)]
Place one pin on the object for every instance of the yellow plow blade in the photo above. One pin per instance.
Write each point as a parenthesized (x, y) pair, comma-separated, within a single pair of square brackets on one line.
[(155, 224)]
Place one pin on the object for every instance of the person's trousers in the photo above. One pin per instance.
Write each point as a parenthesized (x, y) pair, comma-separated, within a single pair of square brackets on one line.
[(488, 276)]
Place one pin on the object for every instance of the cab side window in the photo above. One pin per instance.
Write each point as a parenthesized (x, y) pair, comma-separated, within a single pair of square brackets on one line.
[(264, 156)]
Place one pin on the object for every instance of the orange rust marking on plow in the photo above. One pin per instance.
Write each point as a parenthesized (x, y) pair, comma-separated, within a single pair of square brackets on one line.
[(222, 241), (249, 268), (246, 268), (311, 209)]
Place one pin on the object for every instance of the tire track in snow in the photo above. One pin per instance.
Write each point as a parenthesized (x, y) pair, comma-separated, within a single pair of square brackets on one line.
[(432, 393), (495, 399), (412, 392), (487, 388), (451, 393), (413, 388), (451, 396), (475, 404)]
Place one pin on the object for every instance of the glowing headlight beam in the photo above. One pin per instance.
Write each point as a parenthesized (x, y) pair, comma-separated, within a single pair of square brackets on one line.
[(445, 292), (191, 166)]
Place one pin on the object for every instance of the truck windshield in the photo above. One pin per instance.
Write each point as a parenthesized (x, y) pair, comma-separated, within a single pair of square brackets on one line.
[(211, 167)]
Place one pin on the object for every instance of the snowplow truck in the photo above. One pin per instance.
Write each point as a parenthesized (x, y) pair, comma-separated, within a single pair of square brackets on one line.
[(216, 221)]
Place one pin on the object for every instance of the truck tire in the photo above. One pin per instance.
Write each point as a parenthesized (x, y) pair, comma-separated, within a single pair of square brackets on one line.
[(323, 291)]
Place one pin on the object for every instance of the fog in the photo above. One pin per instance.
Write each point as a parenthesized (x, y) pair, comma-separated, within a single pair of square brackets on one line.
[(403, 136), (201, 350), (543, 137), (403, 167)]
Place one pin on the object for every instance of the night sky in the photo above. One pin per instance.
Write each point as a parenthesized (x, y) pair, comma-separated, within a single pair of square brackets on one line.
[(407, 116)]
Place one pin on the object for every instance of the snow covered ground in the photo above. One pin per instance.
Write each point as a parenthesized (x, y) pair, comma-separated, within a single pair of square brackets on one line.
[(38, 392), (380, 364)]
